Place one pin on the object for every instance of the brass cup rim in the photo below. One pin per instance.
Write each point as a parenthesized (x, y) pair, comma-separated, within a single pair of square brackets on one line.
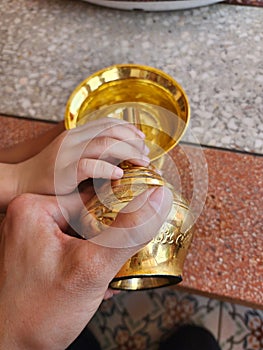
[(132, 83)]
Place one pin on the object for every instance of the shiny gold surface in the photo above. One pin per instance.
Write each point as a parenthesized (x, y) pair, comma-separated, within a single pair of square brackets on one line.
[(155, 103), (161, 261), (162, 110)]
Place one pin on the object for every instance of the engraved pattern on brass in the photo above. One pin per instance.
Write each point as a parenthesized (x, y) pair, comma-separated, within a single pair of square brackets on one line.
[(166, 236)]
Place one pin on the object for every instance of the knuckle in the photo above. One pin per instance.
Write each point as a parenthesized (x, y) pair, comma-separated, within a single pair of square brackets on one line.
[(115, 126), (108, 125), (101, 167), (104, 143), (18, 216), (82, 166), (110, 122), (21, 205), (93, 168), (132, 220)]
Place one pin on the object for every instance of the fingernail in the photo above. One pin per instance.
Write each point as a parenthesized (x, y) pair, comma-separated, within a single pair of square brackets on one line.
[(158, 171), (117, 173), (140, 133), (146, 159), (146, 150)]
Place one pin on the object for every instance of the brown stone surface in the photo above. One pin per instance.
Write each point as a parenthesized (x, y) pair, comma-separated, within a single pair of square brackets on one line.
[(226, 255), (14, 130), (258, 3)]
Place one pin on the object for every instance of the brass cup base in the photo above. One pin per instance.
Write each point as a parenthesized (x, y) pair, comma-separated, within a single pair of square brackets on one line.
[(143, 282)]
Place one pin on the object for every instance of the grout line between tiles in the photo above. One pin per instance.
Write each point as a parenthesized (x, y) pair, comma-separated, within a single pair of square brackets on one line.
[(220, 321)]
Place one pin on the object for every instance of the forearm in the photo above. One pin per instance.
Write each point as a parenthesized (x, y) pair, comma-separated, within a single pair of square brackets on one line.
[(29, 148), (8, 184)]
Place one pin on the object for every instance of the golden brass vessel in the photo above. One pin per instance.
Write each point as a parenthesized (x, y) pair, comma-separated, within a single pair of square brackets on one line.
[(156, 104)]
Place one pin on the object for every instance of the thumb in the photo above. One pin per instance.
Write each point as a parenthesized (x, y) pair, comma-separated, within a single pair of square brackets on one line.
[(132, 231), (101, 257), (139, 221)]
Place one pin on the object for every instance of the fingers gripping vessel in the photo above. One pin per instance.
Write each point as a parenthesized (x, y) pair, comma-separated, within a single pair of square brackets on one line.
[(156, 104)]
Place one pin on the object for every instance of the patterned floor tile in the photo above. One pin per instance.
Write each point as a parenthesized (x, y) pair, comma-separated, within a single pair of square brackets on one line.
[(139, 320), (241, 328), (182, 308)]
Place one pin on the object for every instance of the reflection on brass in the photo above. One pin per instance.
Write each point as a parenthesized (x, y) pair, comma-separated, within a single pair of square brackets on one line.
[(155, 103), (123, 85), (161, 261)]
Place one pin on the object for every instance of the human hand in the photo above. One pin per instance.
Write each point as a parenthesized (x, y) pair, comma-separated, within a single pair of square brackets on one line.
[(89, 151), (51, 283)]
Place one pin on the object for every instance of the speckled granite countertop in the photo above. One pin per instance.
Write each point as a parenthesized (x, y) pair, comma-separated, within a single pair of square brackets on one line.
[(215, 52)]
